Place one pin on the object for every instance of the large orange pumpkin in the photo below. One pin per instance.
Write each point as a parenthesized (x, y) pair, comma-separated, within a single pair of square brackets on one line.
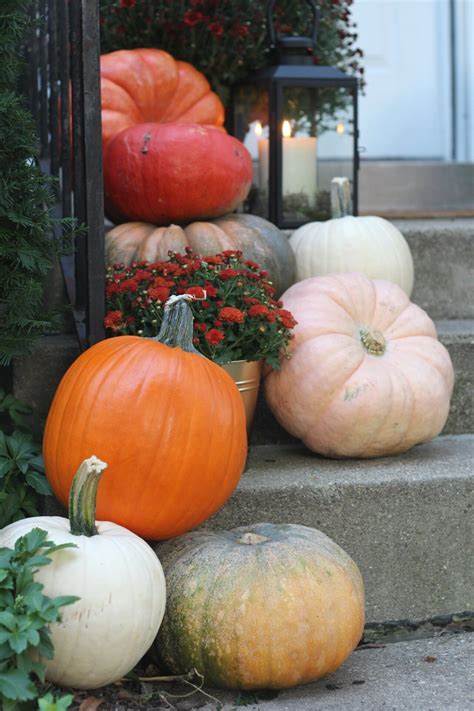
[(367, 375), (170, 424), (257, 239), (149, 85)]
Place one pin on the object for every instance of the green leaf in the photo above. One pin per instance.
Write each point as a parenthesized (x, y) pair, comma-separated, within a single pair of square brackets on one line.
[(49, 703), (7, 619), (6, 555), (38, 482), (16, 684), (6, 465)]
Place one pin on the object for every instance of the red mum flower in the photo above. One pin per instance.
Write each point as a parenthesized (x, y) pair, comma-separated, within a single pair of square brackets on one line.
[(216, 28), (127, 3), (196, 291), (214, 337), (112, 289), (231, 315), (210, 290), (229, 274), (114, 320), (258, 310), (286, 318), (129, 285), (143, 274), (191, 18), (161, 293)]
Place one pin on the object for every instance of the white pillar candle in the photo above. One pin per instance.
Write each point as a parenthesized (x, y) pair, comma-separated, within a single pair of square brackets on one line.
[(299, 165)]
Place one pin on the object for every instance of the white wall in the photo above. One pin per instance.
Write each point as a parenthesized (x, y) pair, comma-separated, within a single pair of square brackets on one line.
[(406, 110)]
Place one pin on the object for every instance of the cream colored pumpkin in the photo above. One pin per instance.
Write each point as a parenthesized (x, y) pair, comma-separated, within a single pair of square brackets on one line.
[(367, 375), (370, 245), (122, 593)]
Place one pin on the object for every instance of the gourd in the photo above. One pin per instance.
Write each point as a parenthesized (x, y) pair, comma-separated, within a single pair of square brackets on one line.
[(367, 375), (174, 172), (259, 607), (370, 245), (259, 241), (118, 579), (149, 85), (170, 423)]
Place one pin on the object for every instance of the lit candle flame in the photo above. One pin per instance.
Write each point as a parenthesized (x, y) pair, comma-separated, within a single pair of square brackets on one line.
[(286, 129), (258, 128), (340, 128)]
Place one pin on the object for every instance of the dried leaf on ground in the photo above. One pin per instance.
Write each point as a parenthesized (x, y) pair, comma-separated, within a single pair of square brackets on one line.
[(91, 703)]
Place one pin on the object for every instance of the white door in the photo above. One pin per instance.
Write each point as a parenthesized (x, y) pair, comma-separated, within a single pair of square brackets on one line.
[(406, 111)]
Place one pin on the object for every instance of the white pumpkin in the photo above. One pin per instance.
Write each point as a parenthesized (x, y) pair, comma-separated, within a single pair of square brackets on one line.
[(118, 578), (368, 245)]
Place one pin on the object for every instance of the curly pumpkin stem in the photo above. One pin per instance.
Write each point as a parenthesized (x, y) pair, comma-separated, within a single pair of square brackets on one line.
[(177, 326), (83, 495), (373, 342)]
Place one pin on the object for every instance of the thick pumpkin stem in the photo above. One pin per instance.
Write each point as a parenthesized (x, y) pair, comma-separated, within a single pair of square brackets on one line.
[(341, 197), (83, 495), (177, 325), (373, 342)]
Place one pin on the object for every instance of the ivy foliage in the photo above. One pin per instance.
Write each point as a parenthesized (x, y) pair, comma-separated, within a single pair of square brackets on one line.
[(25, 616), (30, 238)]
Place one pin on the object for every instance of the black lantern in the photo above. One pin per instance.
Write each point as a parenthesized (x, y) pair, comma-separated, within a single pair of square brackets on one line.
[(299, 122)]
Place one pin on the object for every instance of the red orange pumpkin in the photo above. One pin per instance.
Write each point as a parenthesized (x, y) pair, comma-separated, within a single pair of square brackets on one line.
[(172, 172), (170, 424)]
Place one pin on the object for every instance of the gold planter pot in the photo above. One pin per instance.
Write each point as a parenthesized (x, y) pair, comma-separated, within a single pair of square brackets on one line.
[(246, 374)]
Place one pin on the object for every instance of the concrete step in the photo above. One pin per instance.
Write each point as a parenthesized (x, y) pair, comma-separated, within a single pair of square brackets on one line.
[(419, 675), (406, 520), (443, 255), (401, 188), (458, 337)]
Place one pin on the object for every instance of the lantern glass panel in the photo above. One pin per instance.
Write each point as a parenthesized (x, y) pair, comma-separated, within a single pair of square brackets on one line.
[(251, 126), (317, 145)]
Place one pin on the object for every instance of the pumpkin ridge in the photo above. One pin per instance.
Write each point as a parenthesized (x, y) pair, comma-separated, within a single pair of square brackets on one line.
[(68, 384)]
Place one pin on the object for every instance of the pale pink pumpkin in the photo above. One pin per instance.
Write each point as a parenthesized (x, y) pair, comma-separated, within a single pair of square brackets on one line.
[(367, 375)]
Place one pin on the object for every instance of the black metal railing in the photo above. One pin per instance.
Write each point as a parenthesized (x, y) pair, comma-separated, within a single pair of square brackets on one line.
[(63, 89)]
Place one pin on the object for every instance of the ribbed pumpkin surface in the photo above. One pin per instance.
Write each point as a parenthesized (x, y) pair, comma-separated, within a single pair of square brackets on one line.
[(149, 85), (367, 375), (170, 425), (257, 239), (263, 606)]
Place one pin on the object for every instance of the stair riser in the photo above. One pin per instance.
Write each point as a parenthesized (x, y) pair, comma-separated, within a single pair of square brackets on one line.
[(444, 269)]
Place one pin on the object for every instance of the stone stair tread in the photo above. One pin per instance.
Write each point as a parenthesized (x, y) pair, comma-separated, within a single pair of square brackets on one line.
[(295, 466), (424, 674), (457, 227), (406, 520), (459, 329)]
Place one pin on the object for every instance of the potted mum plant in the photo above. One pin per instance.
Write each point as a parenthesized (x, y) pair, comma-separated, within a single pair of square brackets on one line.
[(237, 322)]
